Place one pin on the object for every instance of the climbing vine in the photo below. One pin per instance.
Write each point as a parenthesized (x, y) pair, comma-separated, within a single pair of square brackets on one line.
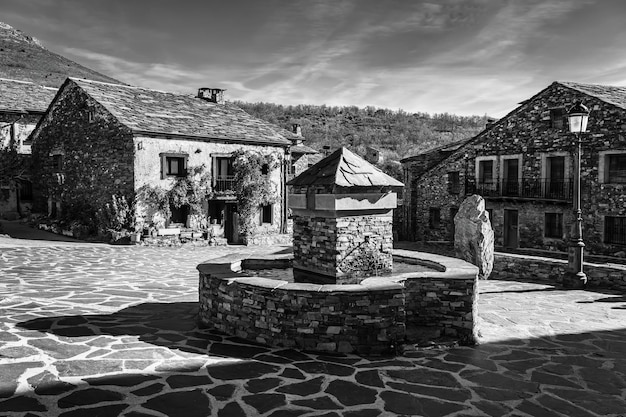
[(191, 190), (252, 184)]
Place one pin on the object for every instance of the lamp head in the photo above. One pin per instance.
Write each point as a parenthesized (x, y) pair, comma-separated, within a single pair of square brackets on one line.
[(578, 115)]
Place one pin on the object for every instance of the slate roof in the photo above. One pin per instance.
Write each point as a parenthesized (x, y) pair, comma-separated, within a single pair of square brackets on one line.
[(609, 94), (157, 112), (345, 169), (302, 149), (24, 96), (445, 149)]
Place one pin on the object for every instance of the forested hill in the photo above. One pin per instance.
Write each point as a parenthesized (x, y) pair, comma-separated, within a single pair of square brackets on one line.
[(397, 134)]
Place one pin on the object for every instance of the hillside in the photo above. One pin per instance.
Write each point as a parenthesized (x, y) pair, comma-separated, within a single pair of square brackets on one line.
[(22, 57), (397, 134)]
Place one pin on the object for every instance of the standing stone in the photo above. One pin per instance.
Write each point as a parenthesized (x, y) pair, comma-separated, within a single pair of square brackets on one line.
[(473, 236)]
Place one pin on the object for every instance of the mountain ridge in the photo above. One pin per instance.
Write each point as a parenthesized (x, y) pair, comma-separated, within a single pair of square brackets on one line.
[(24, 58)]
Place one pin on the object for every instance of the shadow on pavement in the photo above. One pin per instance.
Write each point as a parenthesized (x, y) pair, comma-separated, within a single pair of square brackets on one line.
[(18, 230), (170, 325), (563, 375)]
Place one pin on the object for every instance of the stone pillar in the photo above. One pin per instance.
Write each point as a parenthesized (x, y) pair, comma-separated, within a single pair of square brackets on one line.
[(344, 237)]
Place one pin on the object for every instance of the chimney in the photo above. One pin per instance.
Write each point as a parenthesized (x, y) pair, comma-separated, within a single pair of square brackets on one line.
[(214, 95), (296, 129)]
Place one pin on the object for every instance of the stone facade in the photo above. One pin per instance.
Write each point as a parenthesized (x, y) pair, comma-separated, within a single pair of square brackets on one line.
[(376, 316), (94, 157), (84, 155), (532, 136), (348, 247)]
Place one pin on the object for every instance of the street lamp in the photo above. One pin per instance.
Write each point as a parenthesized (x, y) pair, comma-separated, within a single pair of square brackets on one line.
[(577, 115)]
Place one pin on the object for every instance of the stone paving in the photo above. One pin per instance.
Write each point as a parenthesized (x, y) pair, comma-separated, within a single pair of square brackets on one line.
[(96, 330)]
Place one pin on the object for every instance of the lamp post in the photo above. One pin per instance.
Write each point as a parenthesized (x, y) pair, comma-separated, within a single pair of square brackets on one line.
[(577, 115)]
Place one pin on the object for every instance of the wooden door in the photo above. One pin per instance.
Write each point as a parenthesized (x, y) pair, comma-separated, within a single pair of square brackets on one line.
[(511, 229), (231, 224)]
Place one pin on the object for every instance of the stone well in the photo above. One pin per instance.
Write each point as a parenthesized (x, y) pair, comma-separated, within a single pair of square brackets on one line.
[(342, 220), (376, 316), (346, 297)]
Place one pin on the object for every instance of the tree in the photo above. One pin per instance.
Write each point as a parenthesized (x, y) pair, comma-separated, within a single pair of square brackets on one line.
[(13, 168)]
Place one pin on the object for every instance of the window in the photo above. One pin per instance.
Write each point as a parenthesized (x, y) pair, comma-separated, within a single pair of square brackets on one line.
[(266, 214), (485, 172), (617, 168), (553, 225), (173, 165), (90, 116), (434, 218), (223, 175), (454, 184), (265, 169), (26, 190), (57, 163), (557, 118), (615, 230), (510, 176)]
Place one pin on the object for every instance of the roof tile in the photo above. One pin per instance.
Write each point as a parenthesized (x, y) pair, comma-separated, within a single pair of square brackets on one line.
[(144, 110)]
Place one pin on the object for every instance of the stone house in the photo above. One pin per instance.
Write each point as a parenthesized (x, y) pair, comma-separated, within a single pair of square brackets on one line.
[(523, 166), (98, 140), (22, 104)]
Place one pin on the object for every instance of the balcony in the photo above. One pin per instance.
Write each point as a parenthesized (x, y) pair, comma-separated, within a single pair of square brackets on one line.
[(527, 188), (224, 183)]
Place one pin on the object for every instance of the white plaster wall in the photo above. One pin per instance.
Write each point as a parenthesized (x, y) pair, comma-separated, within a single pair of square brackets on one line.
[(147, 167)]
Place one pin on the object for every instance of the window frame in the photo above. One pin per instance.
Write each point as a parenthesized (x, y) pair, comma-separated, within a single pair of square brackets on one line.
[(266, 211), (604, 172), (454, 182), (434, 218), (494, 172), (557, 118), (165, 165), (58, 162), (556, 233), (612, 226)]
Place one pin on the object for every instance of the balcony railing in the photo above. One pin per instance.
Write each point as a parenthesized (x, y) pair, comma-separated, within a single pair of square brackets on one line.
[(531, 188), (224, 183)]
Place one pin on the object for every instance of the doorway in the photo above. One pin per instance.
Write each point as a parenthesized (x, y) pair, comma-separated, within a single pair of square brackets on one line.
[(510, 186), (231, 224), (511, 229), (179, 215)]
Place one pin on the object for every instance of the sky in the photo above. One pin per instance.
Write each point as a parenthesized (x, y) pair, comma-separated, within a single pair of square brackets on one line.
[(466, 57)]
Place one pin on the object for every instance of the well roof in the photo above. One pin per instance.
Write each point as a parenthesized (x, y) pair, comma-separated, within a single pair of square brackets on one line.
[(151, 111), (24, 96), (345, 169)]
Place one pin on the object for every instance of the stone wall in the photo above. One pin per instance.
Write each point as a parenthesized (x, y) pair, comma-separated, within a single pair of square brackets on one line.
[(374, 317), (348, 247), (551, 271), (527, 133), (413, 169), (449, 307), (97, 156)]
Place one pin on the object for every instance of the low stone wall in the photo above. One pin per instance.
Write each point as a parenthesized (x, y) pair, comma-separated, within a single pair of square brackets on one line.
[(367, 318), (269, 239), (551, 271)]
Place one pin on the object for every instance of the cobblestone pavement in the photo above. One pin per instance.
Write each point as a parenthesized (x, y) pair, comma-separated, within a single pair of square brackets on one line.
[(96, 330)]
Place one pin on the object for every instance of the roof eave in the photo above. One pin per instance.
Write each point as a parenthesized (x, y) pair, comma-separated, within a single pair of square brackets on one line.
[(166, 135)]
